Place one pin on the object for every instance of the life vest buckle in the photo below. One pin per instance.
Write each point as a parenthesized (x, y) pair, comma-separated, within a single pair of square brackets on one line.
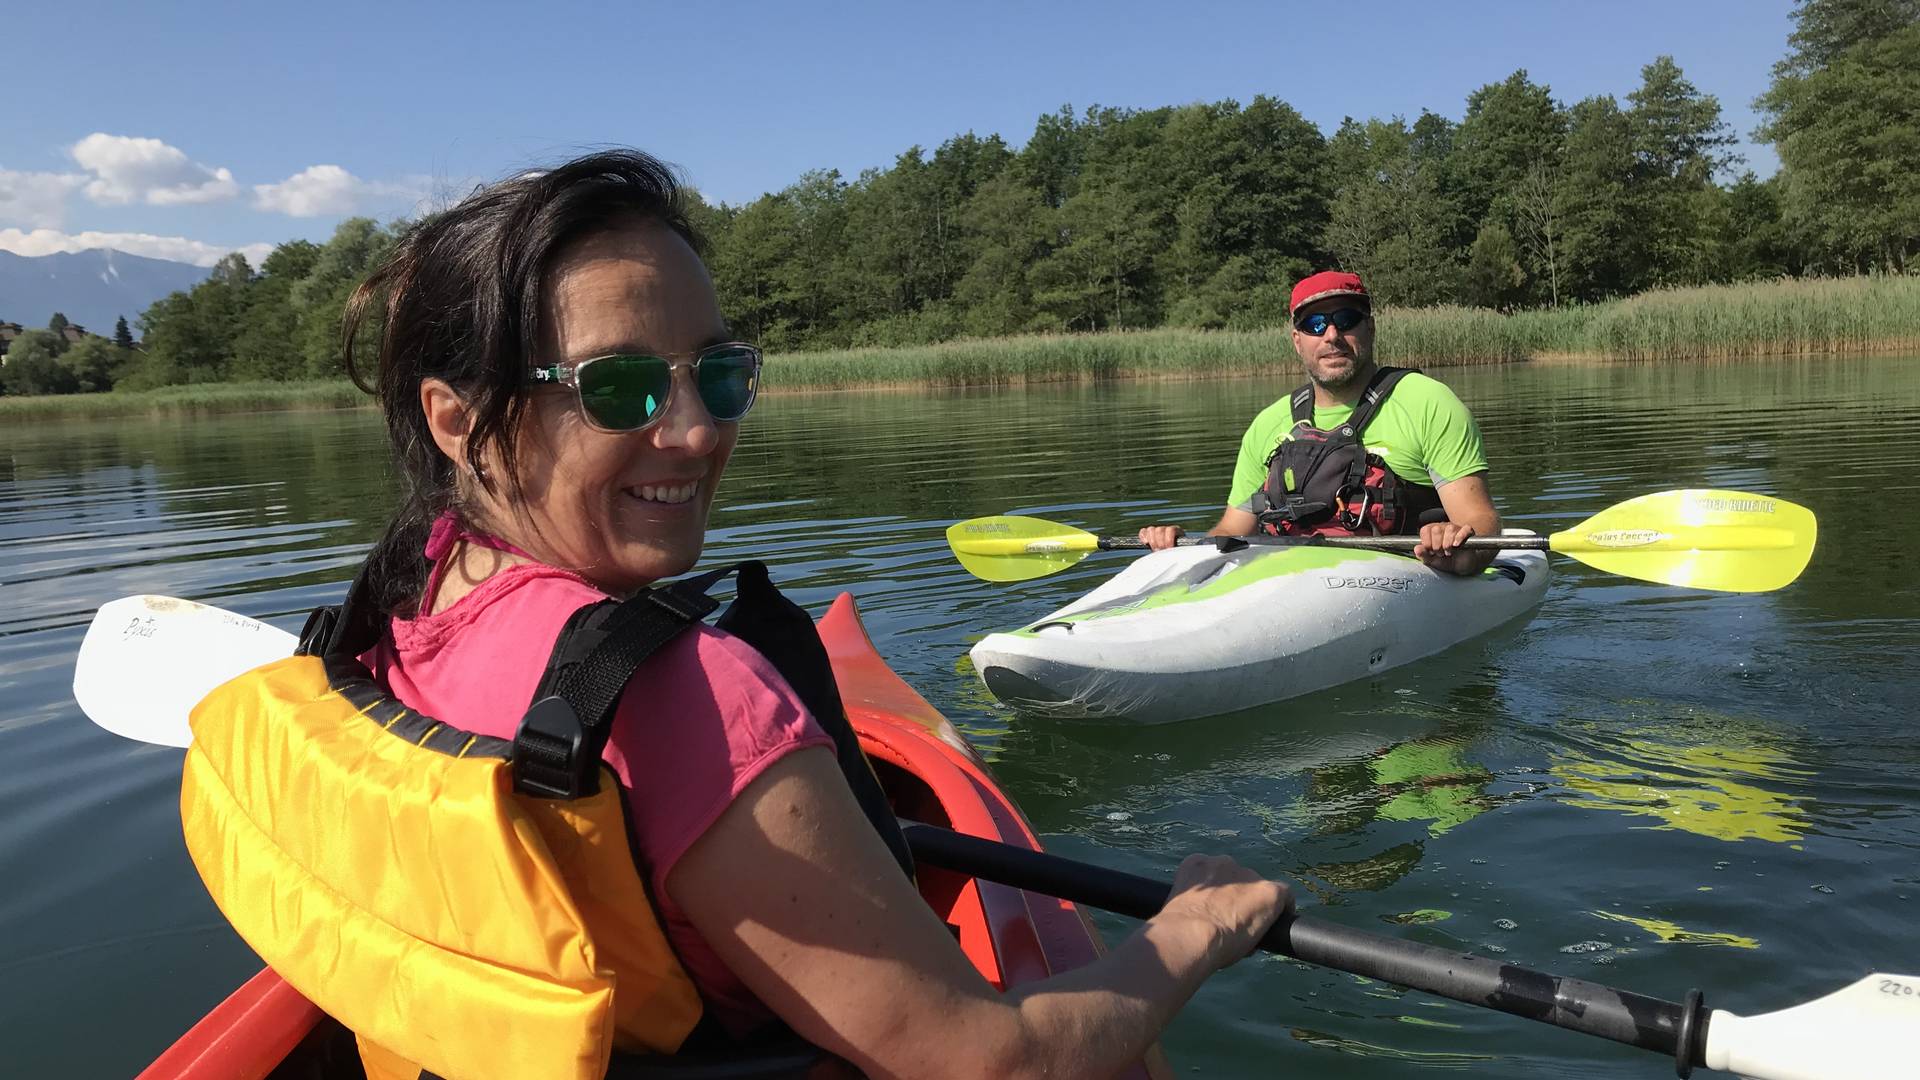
[(318, 631), (550, 759)]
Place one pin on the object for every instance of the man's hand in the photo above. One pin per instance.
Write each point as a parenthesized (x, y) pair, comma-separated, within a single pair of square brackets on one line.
[(1440, 547), (1161, 537)]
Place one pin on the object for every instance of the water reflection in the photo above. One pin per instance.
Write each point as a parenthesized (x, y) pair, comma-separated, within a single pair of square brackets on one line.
[(1722, 791)]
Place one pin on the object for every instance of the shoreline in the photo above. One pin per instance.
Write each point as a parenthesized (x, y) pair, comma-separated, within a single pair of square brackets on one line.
[(237, 399), (1708, 324)]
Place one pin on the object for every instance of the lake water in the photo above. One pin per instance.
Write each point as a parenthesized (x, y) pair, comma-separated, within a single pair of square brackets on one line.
[(1643, 786)]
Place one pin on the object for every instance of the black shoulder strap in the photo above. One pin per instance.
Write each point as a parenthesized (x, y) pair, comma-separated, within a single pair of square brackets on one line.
[(1303, 405), (1374, 396), (783, 632), (557, 748)]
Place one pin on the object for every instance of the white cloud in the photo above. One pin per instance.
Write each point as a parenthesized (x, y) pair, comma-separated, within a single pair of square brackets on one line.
[(320, 189), (329, 189), (36, 200), (127, 170), (176, 248)]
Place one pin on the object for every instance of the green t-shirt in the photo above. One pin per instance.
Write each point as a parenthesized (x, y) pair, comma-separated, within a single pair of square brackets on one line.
[(1423, 431)]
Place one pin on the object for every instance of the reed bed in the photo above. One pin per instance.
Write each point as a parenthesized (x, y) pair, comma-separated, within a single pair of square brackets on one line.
[(1716, 322), (1860, 314), (191, 400)]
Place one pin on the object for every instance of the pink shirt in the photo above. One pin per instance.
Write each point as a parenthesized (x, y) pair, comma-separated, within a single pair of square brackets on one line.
[(703, 717)]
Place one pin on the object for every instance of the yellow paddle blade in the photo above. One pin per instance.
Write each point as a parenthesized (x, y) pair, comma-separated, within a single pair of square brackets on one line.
[(1700, 538), (1013, 548)]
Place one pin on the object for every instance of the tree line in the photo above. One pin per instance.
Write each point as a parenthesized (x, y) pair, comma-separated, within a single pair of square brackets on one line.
[(1203, 215)]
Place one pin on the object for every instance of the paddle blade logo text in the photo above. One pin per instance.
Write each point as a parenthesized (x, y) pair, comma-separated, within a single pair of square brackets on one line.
[(1625, 538), (1713, 503)]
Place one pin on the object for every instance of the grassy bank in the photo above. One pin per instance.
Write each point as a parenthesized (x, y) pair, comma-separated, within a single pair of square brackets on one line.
[(1723, 322), (1437, 337), (1717, 322), (198, 399)]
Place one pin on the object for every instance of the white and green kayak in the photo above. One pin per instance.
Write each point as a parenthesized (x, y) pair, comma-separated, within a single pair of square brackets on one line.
[(1193, 631)]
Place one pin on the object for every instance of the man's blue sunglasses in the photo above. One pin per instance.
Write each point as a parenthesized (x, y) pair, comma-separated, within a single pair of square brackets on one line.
[(1342, 319)]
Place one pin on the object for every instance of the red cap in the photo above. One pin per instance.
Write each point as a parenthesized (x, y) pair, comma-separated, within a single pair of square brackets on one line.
[(1327, 283)]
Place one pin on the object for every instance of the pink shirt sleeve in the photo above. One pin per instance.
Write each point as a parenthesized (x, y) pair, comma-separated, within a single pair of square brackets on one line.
[(702, 718)]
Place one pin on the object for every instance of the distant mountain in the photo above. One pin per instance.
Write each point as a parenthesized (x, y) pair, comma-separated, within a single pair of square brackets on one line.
[(92, 288)]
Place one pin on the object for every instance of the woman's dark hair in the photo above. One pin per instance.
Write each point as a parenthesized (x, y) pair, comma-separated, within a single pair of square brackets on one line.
[(459, 298)]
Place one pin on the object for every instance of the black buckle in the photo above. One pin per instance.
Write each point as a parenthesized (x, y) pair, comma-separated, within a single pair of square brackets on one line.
[(318, 632), (689, 604), (549, 753)]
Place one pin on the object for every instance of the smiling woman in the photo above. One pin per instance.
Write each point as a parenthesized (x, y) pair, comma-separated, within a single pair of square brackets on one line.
[(563, 399)]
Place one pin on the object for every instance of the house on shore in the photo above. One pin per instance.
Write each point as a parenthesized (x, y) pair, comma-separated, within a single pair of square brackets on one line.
[(72, 334)]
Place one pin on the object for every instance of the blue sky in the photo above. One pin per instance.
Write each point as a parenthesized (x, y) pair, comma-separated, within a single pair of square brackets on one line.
[(185, 130)]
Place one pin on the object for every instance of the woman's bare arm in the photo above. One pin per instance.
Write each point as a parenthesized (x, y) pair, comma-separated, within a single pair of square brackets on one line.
[(802, 901)]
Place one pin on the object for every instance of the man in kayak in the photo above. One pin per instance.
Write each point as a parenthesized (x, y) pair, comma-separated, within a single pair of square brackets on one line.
[(1360, 448), (563, 398)]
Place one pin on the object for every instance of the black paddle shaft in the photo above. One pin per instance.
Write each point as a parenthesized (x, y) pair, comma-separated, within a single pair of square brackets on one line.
[(1575, 1004), (1377, 543)]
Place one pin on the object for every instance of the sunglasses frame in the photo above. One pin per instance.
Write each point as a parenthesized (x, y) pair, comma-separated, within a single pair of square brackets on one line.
[(1364, 313), (569, 375)]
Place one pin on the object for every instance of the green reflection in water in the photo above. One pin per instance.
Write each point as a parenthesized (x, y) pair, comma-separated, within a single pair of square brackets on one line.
[(1674, 933), (1420, 917), (1431, 781), (1715, 791)]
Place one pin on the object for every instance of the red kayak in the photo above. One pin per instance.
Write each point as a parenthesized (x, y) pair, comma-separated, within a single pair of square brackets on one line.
[(930, 774)]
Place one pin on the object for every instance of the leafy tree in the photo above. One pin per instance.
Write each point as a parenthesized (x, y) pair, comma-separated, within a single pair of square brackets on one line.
[(319, 298), (748, 270), (812, 278), (899, 240), (1680, 143), (1825, 30), (57, 326), (122, 336), (1536, 212), (1096, 276), (1494, 277), (1677, 130), (1600, 199), (1390, 223), (1249, 191), (1509, 127), (32, 365), (1009, 220), (93, 362), (266, 343), (1757, 241), (1053, 156), (1844, 113)]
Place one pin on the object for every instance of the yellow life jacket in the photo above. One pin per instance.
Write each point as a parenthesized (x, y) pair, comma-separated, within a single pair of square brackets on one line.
[(468, 906)]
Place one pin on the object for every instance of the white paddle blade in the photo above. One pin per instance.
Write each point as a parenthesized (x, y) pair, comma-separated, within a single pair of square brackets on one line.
[(148, 660), (1869, 1029)]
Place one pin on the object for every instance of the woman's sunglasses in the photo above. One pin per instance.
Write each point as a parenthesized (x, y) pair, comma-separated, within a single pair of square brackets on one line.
[(628, 392), (1343, 320)]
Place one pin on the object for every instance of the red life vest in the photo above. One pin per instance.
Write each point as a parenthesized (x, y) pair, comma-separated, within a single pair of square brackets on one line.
[(1326, 482)]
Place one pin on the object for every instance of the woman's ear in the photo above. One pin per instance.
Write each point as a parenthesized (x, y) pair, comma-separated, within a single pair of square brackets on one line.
[(447, 419)]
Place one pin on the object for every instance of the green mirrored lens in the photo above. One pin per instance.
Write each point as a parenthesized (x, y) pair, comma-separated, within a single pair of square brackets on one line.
[(625, 392), (728, 379)]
